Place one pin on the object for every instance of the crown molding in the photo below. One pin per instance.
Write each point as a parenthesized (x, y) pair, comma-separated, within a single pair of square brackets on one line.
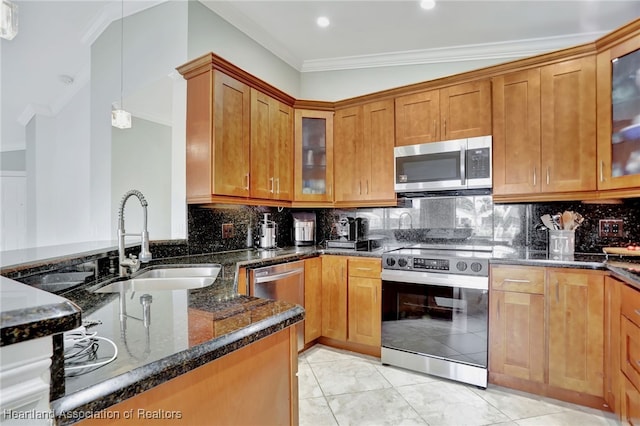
[(476, 52)]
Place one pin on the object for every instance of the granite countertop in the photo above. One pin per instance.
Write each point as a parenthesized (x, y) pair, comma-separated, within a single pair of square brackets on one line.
[(28, 313)]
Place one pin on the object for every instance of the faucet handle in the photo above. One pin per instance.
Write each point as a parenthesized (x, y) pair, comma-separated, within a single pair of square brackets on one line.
[(131, 262)]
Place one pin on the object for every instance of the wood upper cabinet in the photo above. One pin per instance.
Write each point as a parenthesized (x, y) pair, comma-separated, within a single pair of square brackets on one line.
[(516, 133), (334, 297), (454, 112), (364, 301), (313, 157), (618, 151), (363, 153), (218, 125), (516, 323), (271, 148), (544, 130), (312, 299), (568, 127)]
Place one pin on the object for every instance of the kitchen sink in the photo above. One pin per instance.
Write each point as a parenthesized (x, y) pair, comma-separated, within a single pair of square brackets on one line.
[(167, 277), (157, 284), (57, 281), (179, 271)]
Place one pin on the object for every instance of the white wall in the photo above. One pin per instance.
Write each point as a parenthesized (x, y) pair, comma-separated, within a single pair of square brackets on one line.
[(208, 32), (144, 151), (155, 43)]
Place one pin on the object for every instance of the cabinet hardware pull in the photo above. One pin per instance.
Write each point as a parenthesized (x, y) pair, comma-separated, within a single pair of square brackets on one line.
[(271, 180), (547, 175), (278, 186), (513, 280), (638, 362), (557, 292), (360, 187), (363, 269), (367, 187), (246, 176), (445, 127), (602, 171), (434, 129), (637, 311), (498, 310), (534, 176)]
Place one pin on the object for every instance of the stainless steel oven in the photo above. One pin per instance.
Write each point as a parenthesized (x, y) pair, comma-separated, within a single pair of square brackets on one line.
[(435, 309)]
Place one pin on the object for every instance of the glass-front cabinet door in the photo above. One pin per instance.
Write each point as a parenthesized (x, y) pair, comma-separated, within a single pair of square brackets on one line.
[(313, 157), (619, 116)]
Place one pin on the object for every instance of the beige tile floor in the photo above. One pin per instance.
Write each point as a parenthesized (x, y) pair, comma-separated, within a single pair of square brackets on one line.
[(343, 388)]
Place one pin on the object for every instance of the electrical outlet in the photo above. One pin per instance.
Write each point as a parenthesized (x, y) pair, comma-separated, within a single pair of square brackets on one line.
[(610, 228), (227, 230)]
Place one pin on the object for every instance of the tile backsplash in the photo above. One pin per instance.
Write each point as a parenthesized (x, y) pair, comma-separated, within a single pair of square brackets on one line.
[(461, 219)]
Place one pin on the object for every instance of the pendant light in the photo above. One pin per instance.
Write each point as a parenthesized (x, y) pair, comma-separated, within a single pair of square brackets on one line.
[(119, 117), (8, 20)]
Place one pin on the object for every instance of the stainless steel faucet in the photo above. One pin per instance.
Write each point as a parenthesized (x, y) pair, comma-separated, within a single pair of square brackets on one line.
[(132, 264)]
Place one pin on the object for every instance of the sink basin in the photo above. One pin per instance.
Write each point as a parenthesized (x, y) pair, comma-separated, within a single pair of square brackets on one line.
[(157, 284), (211, 271), (167, 277), (57, 281)]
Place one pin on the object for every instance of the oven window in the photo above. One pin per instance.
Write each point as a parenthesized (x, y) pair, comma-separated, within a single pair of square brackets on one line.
[(444, 322)]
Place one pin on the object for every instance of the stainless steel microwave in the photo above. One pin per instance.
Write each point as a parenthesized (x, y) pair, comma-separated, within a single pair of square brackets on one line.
[(448, 165)]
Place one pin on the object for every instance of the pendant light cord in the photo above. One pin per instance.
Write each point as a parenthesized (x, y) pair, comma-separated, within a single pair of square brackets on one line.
[(121, 54)]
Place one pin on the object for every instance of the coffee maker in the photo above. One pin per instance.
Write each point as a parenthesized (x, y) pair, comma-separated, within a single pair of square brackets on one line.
[(304, 228), (350, 233)]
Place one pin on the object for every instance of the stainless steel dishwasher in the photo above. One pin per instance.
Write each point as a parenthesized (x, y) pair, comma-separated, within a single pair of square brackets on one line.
[(284, 281)]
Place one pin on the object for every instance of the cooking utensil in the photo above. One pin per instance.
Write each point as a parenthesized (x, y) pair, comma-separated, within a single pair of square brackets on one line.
[(556, 218), (547, 221), (567, 220)]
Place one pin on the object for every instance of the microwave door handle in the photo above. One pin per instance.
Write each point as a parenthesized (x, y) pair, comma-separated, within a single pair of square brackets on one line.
[(463, 177)]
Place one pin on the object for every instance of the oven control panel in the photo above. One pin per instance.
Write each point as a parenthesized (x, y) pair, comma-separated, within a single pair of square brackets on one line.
[(438, 264)]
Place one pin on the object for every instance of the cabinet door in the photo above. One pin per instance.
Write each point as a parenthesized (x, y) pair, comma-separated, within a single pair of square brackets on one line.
[(630, 407), (575, 301), (313, 159), (334, 297), (378, 140), (417, 118), (232, 108), (617, 162), (262, 180), (350, 161), (365, 320), (567, 96), (612, 343), (465, 110), (282, 149), (312, 299), (516, 331), (516, 133), (364, 300)]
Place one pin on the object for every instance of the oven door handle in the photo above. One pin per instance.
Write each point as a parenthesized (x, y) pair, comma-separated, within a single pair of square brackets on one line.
[(430, 278)]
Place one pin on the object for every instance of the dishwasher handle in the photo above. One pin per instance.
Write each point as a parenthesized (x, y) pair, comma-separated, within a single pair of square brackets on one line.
[(276, 277)]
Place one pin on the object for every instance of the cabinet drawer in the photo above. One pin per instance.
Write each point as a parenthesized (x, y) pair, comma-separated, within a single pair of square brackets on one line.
[(630, 350), (519, 279), (630, 407), (366, 268), (631, 304)]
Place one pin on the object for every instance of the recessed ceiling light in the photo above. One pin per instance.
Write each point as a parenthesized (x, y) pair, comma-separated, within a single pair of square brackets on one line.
[(323, 22), (428, 4)]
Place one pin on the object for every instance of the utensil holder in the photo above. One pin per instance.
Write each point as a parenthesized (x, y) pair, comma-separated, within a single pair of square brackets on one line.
[(561, 242)]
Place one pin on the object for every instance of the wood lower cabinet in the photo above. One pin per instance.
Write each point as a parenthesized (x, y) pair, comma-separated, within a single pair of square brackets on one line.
[(271, 174), (363, 154), (312, 299), (453, 112), (230, 390), (516, 347), (546, 332), (334, 297), (364, 301), (575, 301), (544, 132)]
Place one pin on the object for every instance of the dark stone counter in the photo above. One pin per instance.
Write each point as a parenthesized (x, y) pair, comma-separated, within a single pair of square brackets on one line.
[(29, 313)]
